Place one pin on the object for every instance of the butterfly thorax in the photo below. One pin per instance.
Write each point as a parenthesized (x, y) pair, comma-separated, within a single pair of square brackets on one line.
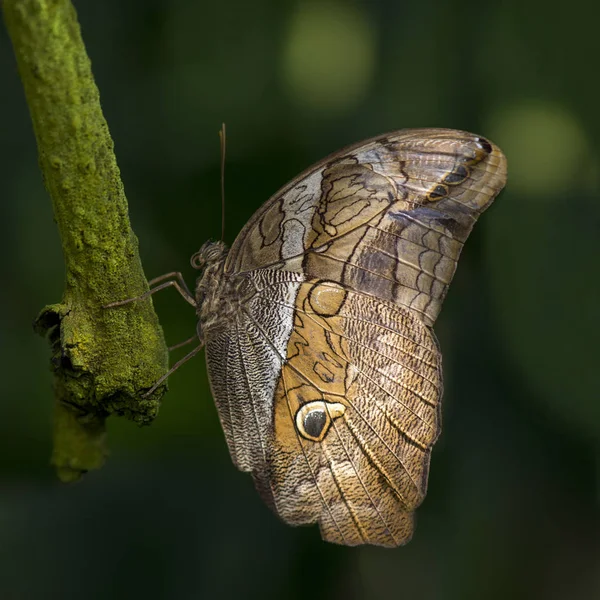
[(217, 295)]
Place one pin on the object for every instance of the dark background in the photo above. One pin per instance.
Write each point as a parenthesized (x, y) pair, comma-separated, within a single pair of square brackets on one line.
[(512, 508)]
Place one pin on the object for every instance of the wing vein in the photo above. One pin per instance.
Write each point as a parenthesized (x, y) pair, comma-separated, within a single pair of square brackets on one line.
[(374, 350), (325, 283), (362, 483)]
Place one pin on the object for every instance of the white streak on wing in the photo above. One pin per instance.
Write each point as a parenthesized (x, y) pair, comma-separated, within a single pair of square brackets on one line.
[(299, 205), (276, 324), (294, 232)]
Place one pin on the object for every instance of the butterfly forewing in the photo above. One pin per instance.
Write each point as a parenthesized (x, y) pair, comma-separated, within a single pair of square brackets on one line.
[(387, 217), (327, 377)]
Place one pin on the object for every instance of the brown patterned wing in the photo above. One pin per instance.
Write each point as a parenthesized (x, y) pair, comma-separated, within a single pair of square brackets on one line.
[(355, 412), (387, 217), (331, 398), (327, 377)]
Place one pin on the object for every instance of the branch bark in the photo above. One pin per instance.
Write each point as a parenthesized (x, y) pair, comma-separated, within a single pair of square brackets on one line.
[(102, 358)]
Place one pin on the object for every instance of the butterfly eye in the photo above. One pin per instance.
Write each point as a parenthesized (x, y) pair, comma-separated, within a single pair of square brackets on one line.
[(314, 418), (197, 261)]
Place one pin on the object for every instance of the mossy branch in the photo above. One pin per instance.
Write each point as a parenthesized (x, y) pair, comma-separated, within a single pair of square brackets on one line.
[(102, 358)]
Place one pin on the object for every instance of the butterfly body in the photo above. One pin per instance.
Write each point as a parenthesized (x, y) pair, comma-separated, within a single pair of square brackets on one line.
[(217, 297), (317, 323)]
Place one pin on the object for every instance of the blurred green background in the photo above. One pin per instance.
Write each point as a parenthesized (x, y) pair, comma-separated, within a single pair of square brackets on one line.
[(512, 509)]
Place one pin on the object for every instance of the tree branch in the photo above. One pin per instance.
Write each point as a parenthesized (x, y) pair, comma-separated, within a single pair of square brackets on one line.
[(102, 358)]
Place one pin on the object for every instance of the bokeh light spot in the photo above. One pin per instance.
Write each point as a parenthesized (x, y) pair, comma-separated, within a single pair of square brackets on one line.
[(544, 144), (329, 56)]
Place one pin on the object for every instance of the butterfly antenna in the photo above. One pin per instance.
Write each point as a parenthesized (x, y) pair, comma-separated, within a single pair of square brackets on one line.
[(223, 146)]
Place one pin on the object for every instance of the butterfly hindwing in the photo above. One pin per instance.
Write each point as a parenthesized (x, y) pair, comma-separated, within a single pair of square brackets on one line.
[(355, 412)]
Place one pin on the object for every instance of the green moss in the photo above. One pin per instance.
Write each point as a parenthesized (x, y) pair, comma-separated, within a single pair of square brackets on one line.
[(79, 442), (102, 358)]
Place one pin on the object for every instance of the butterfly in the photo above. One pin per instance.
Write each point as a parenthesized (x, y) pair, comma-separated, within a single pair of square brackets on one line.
[(317, 328)]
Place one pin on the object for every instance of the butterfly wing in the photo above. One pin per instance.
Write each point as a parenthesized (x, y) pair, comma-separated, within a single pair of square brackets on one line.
[(387, 217), (328, 381), (331, 398), (356, 413)]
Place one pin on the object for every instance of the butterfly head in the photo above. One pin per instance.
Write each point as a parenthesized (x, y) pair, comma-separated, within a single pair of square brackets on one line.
[(210, 253)]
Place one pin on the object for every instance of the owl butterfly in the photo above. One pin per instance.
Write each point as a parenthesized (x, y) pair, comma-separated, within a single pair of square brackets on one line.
[(318, 322)]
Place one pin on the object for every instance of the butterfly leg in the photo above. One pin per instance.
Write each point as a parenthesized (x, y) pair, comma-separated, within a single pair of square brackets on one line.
[(194, 338), (174, 368), (175, 279)]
